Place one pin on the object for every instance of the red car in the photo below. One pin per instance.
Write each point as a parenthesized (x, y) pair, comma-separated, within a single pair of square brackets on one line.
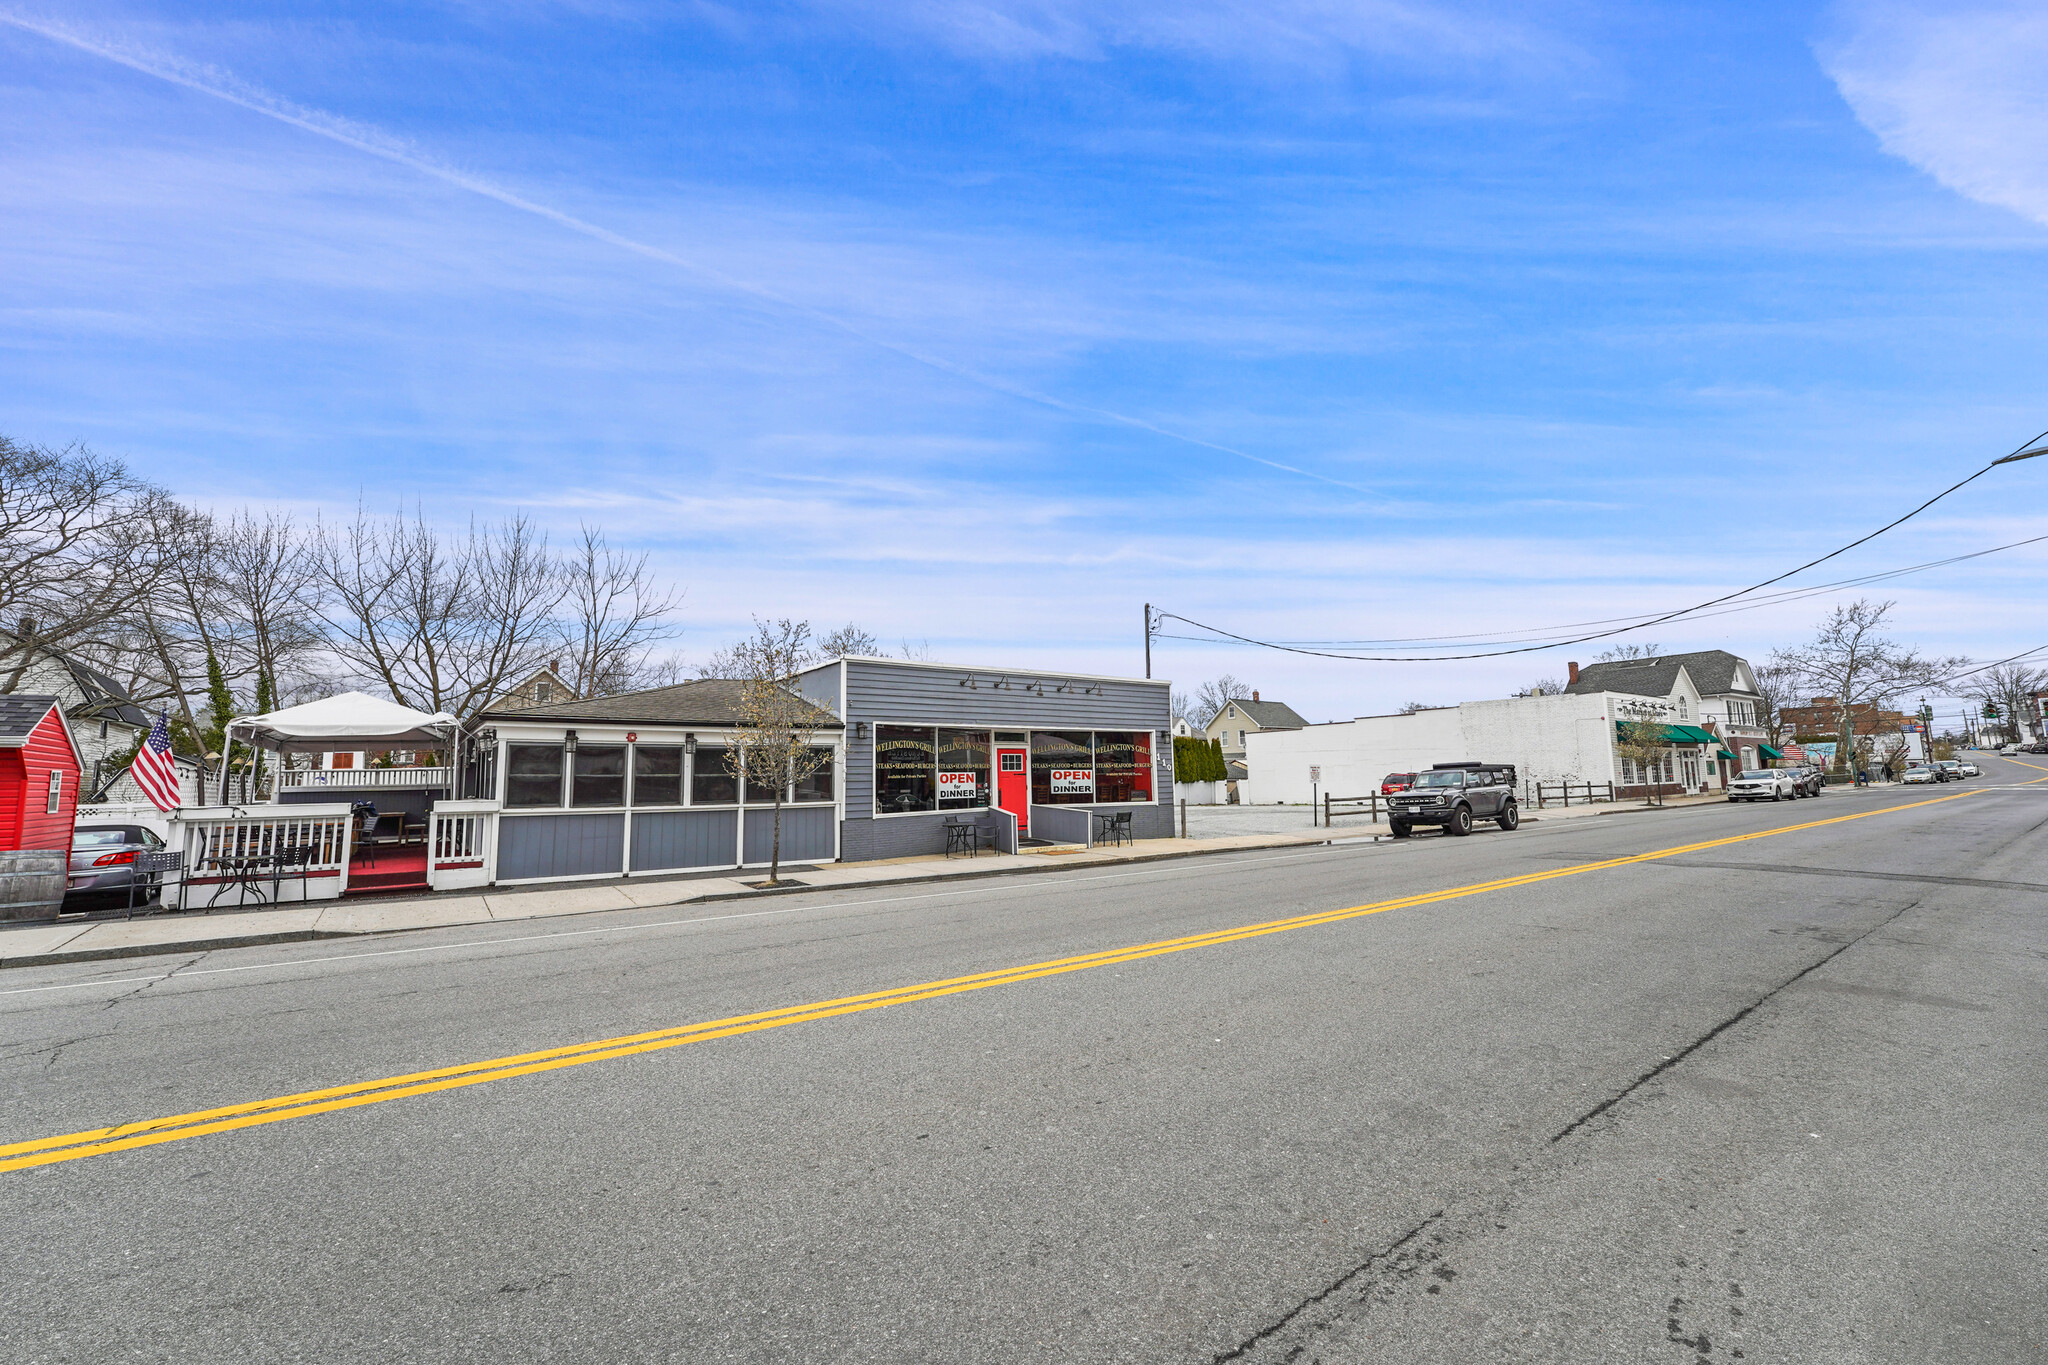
[(1396, 782)]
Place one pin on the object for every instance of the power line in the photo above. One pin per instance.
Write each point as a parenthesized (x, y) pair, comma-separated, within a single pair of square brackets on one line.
[(1542, 632), (2027, 450)]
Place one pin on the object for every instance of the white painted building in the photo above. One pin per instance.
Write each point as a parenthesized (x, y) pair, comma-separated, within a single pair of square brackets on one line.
[(1550, 739)]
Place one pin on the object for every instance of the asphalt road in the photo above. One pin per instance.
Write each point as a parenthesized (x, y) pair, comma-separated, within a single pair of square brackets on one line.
[(1778, 1099)]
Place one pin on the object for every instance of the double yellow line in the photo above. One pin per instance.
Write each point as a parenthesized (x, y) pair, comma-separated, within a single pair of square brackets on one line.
[(123, 1137)]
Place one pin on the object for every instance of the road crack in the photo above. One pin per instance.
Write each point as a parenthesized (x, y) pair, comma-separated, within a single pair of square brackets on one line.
[(1377, 1259), (1722, 1027)]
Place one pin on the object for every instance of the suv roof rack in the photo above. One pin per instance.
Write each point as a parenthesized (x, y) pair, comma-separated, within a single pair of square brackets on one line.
[(1466, 763)]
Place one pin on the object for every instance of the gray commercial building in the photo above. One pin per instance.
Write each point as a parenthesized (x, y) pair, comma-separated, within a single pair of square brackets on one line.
[(639, 784), (929, 742)]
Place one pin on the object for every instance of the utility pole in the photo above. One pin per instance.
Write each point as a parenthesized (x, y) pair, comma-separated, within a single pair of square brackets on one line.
[(1148, 639)]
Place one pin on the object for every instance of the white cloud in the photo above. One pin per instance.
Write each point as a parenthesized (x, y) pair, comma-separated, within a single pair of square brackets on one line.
[(1958, 91)]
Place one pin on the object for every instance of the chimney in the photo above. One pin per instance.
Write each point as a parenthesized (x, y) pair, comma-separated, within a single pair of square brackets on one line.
[(1573, 669), (1255, 694)]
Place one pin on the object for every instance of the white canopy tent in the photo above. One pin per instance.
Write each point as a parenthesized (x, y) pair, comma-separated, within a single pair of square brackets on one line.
[(352, 720)]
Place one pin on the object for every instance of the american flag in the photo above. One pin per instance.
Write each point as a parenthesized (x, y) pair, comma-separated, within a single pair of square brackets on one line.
[(153, 769)]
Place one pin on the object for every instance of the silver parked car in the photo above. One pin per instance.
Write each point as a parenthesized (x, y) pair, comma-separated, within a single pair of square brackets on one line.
[(1763, 784), (1918, 773), (103, 864)]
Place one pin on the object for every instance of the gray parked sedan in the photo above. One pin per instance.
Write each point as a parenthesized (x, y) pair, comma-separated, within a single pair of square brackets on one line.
[(103, 863)]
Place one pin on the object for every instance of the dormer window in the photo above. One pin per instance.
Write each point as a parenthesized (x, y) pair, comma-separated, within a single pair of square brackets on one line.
[(542, 691)]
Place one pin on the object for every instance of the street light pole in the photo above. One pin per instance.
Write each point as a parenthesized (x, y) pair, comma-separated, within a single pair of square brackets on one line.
[(1148, 639)]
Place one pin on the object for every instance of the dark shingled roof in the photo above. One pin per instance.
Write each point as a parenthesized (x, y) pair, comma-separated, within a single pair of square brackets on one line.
[(709, 701), (21, 712), (1712, 672), (1270, 715)]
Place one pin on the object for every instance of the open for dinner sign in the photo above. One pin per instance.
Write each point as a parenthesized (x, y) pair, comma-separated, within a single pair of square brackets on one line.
[(1073, 781), (958, 784)]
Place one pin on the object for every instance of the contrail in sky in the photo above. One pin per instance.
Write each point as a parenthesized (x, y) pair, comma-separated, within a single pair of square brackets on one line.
[(223, 85)]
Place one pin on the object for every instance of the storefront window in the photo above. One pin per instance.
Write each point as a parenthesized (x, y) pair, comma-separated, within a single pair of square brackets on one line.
[(1123, 765), (599, 775), (963, 769), (905, 776), (818, 786), (533, 775), (711, 782), (657, 775), (1062, 768)]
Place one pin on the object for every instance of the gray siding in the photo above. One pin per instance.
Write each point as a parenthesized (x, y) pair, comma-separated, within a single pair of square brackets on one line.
[(806, 834), (821, 685), (684, 838), (881, 692), (560, 845), (1062, 824), (906, 836)]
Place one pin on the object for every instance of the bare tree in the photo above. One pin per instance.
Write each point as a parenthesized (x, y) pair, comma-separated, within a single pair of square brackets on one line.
[(1411, 707), (1777, 684), (1851, 661), (775, 744), (849, 640), (1642, 741), (1185, 707), (1647, 650), (2010, 688), (921, 652), (1544, 687), (1211, 697), (76, 549), (616, 614), (442, 625)]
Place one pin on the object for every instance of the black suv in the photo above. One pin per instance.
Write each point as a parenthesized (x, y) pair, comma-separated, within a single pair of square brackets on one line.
[(1453, 795)]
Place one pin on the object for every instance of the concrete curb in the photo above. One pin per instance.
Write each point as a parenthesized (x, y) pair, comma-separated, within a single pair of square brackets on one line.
[(254, 940)]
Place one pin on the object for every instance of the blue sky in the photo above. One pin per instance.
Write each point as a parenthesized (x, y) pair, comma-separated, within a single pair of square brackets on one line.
[(983, 324)]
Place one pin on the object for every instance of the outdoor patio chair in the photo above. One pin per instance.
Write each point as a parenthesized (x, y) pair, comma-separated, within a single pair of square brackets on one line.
[(1116, 827), (961, 836), (291, 864)]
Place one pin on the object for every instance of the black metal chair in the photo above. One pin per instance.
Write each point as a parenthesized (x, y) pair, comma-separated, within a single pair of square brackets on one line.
[(152, 865), (962, 836), (290, 864), (1116, 827)]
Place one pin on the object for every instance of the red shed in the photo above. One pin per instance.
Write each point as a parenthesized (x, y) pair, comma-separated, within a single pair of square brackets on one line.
[(39, 773)]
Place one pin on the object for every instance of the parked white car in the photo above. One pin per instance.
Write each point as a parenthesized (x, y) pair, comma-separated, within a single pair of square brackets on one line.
[(1918, 774), (1763, 784), (1967, 768)]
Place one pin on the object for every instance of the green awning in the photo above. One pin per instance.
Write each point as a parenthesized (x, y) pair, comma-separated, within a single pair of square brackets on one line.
[(1730, 757), (1768, 752), (1675, 734)]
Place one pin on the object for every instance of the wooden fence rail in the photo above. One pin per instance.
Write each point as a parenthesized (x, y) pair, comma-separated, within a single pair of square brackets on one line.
[(1334, 806), (1587, 792)]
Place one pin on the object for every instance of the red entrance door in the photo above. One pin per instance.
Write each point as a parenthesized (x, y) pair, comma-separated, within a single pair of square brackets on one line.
[(1013, 787)]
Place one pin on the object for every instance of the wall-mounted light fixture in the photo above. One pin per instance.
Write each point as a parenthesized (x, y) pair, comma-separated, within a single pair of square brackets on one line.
[(690, 744), (569, 741), (860, 729)]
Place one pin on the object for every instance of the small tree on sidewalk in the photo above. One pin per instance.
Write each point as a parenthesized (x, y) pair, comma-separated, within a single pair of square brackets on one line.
[(1641, 742), (774, 745)]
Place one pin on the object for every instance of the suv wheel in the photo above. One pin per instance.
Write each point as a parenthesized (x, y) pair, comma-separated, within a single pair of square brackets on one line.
[(1401, 828), (1460, 822), (1510, 815)]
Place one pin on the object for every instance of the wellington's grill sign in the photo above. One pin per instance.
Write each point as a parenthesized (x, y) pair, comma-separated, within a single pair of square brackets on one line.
[(1073, 781)]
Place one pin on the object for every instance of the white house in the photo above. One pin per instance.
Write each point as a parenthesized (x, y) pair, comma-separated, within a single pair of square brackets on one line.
[(1720, 685)]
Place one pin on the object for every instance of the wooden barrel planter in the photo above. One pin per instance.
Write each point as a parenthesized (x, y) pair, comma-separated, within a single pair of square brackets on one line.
[(32, 883)]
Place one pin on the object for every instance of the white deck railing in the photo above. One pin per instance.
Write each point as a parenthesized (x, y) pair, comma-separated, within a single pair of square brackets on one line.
[(363, 779), (219, 843), (462, 844)]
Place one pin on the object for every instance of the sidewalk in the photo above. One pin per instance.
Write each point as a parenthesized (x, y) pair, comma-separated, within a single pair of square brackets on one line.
[(36, 945)]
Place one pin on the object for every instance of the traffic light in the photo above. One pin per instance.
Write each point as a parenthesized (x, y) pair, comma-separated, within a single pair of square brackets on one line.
[(1991, 710)]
